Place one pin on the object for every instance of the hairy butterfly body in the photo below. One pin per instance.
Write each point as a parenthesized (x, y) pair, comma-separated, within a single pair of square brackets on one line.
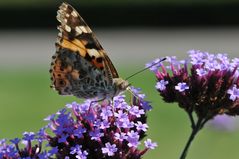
[(80, 66)]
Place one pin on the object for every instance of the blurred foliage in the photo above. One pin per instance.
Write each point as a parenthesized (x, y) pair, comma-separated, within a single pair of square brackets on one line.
[(26, 99), (52, 3)]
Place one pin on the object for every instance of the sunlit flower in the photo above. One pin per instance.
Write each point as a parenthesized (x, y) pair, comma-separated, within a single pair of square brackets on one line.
[(205, 83), (87, 131)]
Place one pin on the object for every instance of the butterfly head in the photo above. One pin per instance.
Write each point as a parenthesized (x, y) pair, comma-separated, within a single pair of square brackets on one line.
[(120, 85)]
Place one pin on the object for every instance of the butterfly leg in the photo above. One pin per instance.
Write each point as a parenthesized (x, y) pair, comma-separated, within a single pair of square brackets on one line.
[(96, 101), (132, 95), (113, 107)]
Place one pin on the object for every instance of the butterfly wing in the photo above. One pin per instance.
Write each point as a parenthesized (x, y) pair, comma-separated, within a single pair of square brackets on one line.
[(80, 60)]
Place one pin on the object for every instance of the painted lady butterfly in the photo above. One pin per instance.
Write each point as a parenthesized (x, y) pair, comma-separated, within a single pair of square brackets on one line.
[(80, 66)]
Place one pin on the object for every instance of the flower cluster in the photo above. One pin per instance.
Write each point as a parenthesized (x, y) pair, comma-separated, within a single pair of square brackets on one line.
[(209, 87), (112, 129), (26, 150)]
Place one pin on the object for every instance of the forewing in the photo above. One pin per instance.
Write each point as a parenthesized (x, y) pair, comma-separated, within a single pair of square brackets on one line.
[(77, 35)]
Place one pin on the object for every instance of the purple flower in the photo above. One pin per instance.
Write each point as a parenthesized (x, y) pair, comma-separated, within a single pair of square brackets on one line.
[(28, 135), (15, 141), (120, 136), (109, 149), (161, 85), (82, 155), (104, 124), (234, 93), (93, 128), (50, 117), (87, 131), (27, 150), (63, 138), (208, 86), (149, 144), (181, 87), (140, 126), (136, 111), (96, 134), (121, 116), (53, 151), (133, 139), (79, 131), (154, 65), (201, 72), (106, 112), (77, 150)]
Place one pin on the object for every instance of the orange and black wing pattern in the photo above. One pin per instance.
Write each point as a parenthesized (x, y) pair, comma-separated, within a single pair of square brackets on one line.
[(80, 61)]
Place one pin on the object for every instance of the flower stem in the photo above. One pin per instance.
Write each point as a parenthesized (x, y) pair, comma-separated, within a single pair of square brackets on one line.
[(190, 115), (195, 130)]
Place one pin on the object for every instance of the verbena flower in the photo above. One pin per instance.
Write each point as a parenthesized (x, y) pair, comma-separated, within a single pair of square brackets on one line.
[(205, 83), (111, 129), (30, 146)]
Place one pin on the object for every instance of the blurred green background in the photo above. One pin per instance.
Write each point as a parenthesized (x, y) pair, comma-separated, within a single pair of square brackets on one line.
[(133, 33)]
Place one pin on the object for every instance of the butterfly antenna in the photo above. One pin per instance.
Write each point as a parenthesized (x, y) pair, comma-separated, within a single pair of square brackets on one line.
[(146, 68), (129, 89)]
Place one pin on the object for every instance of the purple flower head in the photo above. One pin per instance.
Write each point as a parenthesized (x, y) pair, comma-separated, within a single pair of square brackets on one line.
[(208, 84), (86, 130), (97, 131), (26, 150)]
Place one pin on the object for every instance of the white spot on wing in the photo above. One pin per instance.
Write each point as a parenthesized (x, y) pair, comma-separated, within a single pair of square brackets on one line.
[(78, 30), (58, 17), (74, 14), (83, 29), (93, 52), (63, 6), (68, 29), (60, 34)]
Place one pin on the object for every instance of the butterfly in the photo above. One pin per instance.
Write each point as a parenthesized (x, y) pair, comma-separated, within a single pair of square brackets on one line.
[(80, 66)]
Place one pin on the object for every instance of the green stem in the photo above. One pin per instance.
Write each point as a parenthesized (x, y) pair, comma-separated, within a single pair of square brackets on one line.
[(195, 130)]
